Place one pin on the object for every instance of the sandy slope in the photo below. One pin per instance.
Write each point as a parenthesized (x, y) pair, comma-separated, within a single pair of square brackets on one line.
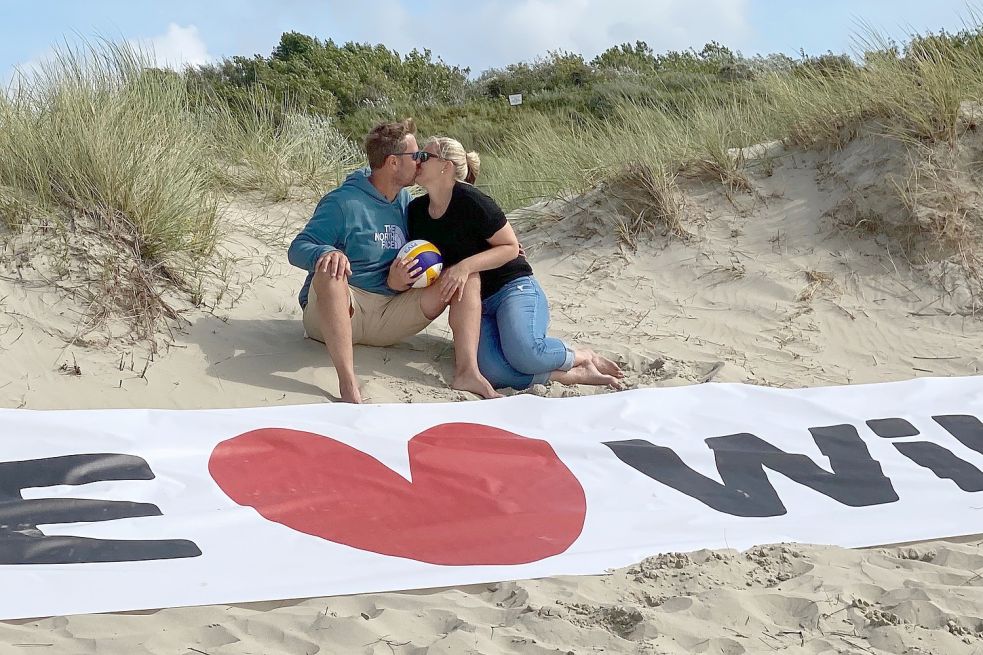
[(788, 598), (772, 287)]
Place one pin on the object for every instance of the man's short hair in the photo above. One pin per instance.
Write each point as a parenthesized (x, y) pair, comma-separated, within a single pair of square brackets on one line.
[(387, 139)]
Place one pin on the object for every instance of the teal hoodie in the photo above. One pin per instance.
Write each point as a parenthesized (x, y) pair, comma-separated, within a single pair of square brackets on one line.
[(359, 221)]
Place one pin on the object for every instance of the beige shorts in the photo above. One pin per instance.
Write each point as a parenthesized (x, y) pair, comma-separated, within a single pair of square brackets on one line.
[(377, 320)]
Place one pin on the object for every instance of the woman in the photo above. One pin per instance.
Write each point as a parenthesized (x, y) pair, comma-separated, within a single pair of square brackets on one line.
[(474, 236)]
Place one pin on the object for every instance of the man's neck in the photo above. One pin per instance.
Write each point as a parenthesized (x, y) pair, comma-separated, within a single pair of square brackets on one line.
[(386, 187)]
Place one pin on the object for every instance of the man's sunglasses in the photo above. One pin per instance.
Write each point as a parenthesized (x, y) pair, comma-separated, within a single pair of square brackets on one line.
[(419, 156)]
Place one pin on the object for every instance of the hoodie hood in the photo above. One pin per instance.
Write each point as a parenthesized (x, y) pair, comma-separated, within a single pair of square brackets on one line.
[(358, 181)]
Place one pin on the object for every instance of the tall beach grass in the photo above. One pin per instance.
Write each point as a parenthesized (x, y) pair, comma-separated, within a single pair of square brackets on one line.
[(260, 144), (913, 95), (90, 134), (125, 171)]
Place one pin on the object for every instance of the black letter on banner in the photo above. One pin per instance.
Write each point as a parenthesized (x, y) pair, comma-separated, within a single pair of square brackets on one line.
[(940, 461), (857, 479), (966, 429), (22, 543)]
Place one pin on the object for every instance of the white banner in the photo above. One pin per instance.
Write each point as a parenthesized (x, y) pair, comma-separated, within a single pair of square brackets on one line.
[(105, 510)]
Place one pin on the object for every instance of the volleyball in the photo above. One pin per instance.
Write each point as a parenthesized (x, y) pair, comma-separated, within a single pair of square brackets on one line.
[(428, 258)]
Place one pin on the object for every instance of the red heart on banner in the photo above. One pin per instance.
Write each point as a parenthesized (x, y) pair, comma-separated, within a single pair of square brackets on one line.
[(479, 495)]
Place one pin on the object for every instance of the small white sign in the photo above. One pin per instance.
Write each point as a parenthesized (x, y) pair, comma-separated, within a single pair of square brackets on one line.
[(515, 99)]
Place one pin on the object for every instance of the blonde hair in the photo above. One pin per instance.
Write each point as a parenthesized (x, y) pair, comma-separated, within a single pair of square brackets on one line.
[(466, 164)]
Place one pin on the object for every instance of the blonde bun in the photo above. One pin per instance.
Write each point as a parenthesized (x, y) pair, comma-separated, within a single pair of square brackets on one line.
[(474, 166)]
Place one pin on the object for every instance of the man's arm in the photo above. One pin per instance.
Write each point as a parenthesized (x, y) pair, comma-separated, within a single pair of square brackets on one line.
[(321, 236)]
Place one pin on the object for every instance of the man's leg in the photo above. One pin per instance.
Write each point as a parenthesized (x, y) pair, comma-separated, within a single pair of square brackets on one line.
[(334, 306), (465, 322)]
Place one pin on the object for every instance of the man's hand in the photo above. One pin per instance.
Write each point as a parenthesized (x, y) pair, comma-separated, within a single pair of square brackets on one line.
[(335, 264), (403, 273), (451, 283)]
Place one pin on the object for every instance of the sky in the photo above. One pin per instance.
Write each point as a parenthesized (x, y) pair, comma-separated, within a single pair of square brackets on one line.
[(480, 34)]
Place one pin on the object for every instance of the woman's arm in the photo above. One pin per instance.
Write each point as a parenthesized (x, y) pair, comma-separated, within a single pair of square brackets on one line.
[(504, 248)]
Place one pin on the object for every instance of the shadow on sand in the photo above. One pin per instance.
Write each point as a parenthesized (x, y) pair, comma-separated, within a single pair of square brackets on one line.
[(273, 354)]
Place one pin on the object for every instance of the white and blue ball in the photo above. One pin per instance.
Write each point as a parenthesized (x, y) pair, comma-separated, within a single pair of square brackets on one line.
[(429, 262)]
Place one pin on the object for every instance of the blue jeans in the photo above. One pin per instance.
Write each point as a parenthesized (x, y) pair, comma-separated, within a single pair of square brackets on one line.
[(513, 349)]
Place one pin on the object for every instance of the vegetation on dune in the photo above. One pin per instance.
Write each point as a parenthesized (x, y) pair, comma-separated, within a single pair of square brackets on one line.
[(115, 172), (100, 144)]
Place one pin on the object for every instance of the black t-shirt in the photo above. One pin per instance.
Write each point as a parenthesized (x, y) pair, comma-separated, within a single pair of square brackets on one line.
[(464, 229)]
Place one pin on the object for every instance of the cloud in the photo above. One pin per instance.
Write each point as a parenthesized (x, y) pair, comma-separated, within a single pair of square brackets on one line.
[(530, 27), (176, 48), (500, 32)]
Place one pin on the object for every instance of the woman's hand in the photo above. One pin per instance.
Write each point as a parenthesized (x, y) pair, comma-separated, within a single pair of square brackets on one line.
[(451, 282)]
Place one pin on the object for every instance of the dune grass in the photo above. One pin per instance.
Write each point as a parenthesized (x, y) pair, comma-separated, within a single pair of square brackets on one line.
[(124, 170), (96, 137), (912, 94), (259, 145)]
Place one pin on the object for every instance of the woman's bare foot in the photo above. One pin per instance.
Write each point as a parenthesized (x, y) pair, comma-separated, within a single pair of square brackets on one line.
[(603, 364), (606, 366), (474, 382), (586, 373)]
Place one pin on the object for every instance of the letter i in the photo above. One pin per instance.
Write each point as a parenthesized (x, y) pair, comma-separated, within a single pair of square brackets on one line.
[(937, 459)]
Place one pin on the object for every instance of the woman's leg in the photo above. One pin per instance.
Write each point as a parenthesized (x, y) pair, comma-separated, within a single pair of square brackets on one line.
[(465, 321), (492, 362), (523, 317)]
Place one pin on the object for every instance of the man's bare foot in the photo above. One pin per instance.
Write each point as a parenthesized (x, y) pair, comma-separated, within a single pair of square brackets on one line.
[(586, 373), (350, 393), (474, 382)]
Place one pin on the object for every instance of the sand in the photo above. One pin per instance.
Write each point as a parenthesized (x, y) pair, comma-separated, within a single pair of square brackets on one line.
[(788, 598), (772, 286)]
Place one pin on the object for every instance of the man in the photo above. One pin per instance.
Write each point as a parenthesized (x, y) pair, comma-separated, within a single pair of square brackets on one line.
[(356, 292)]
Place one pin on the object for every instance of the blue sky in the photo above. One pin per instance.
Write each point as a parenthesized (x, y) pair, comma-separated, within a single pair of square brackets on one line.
[(479, 34)]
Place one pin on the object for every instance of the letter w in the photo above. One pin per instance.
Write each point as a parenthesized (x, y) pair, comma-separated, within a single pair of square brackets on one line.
[(857, 479)]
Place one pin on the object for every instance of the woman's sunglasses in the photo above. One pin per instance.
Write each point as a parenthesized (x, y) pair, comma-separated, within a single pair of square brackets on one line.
[(420, 155)]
